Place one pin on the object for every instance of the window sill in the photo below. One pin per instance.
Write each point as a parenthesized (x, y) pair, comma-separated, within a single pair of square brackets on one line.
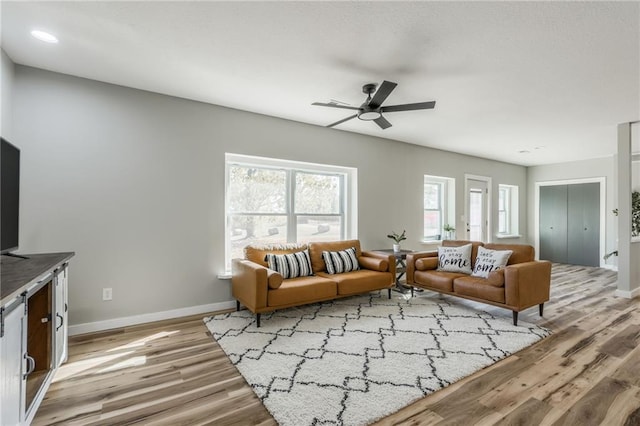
[(224, 276), (431, 242), (635, 240), (506, 236)]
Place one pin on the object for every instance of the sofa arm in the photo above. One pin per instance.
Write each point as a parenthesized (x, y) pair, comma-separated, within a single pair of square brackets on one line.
[(527, 284), (249, 283), (391, 261), (411, 262)]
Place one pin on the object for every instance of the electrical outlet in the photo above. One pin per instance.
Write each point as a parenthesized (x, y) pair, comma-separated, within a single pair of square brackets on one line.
[(107, 293)]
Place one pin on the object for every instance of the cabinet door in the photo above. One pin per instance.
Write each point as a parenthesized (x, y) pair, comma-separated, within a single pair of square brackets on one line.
[(12, 355), (61, 327), (584, 224), (553, 223)]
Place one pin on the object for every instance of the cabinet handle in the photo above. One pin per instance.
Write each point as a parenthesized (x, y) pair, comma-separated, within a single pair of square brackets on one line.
[(31, 365), (61, 321)]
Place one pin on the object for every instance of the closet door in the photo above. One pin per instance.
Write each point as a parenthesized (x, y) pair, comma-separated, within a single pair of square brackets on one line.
[(583, 221), (553, 223)]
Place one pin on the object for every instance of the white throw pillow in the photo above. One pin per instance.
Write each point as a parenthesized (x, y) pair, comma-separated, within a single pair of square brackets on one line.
[(455, 259), (490, 260)]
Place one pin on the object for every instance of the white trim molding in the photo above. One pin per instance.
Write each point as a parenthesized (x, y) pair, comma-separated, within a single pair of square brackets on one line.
[(628, 294), (92, 327)]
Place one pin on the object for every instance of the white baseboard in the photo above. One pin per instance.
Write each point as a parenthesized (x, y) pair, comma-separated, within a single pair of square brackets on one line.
[(628, 294), (92, 327)]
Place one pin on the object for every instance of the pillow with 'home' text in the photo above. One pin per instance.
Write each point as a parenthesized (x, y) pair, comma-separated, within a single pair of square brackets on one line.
[(490, 260), (290, 265), (455, 259)]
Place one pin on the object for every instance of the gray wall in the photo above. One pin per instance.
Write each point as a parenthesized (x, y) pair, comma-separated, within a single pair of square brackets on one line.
[(600, 167), (133, 182), (7, 72)]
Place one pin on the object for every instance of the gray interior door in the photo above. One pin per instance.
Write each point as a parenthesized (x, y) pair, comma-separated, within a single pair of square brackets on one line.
[(570, 224), (553, 223), (583, 218)]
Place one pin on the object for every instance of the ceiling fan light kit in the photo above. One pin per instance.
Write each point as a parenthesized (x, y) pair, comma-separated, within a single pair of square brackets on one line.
[(372, 109)]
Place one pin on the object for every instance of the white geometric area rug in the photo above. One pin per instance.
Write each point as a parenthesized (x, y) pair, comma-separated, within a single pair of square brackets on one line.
[(355, 360)]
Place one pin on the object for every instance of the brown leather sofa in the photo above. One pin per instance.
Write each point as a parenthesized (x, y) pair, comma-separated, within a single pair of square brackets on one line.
[(523, 283), (261, 289)]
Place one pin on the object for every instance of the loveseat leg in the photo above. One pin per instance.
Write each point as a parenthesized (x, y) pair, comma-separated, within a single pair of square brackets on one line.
[(389, 290), (237, 305), (412, 292), (258, 320), (541, 307), (515, 318)]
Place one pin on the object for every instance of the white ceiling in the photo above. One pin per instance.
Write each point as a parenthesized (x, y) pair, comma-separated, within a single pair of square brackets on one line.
[(550, 78)]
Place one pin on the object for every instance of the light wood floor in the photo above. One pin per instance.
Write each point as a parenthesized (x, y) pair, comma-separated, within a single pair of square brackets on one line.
[(173, 373)]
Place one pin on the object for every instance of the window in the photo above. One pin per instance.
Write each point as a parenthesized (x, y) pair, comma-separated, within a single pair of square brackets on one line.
[(276, 201), (507, 210), (438, 206)]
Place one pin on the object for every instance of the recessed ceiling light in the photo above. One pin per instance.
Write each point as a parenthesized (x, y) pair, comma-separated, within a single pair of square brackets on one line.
[(524, 151), (44, 36)]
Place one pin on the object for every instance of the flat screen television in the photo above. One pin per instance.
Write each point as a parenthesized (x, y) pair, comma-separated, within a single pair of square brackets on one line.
[(9, 196)]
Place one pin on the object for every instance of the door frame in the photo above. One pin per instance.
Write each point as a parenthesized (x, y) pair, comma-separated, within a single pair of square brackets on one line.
[(487, 213), (603, 210)]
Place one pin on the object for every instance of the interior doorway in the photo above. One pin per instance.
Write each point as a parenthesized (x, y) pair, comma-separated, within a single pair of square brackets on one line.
[(477, 197)]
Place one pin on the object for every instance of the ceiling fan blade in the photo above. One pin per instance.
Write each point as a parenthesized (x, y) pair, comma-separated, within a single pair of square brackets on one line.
[(335, 106), (382, 122), (408, 107), (382, 93), (343, 120)]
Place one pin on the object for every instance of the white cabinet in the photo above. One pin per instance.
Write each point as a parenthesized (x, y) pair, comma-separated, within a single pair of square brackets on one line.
[(33, 331), (12, 363)]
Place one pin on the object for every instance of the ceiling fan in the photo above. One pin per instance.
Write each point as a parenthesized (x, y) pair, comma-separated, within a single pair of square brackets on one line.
[(372, 109)]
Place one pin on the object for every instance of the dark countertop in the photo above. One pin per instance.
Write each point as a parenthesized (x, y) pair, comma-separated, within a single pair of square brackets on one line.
[(17, 274)]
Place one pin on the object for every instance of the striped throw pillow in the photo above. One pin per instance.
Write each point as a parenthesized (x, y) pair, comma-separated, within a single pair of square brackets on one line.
[(341, 261), (290, 265)]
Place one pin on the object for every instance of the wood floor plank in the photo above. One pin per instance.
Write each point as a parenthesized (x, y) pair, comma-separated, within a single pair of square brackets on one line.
[(593, 407), (530, 413), (623, 342), (173, 373)]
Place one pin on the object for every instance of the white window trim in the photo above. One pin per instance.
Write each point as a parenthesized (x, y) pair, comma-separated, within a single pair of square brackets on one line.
[(513, 215), (448, 203), (349, 203)]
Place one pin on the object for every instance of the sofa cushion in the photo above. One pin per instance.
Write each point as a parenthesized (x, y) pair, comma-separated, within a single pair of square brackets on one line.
[(436, 279), (302, 290), (490, 260), (361, 281), (426, 263), (478, 288), (458, 243), (341, 261), (455, 259), (521, 252), (373, 263), (290, 265), (316, 249), (257, 253)]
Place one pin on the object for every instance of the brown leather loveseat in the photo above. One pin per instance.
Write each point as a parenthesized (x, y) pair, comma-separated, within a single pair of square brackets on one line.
[(261, 289), (523, 283)]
